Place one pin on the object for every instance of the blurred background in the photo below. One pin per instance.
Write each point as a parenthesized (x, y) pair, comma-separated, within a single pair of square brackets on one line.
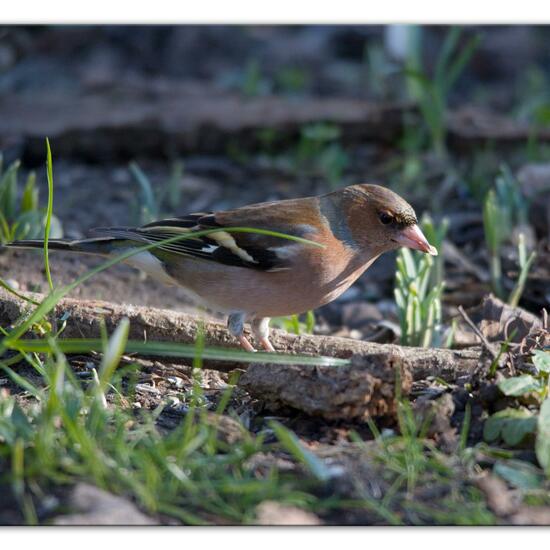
[(146, 121)]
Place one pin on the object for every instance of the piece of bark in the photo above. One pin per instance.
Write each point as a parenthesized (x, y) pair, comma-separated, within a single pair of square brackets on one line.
[(366, 386), (498, 320)]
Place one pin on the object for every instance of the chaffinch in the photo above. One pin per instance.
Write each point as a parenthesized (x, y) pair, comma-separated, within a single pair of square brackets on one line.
[(252, 276)]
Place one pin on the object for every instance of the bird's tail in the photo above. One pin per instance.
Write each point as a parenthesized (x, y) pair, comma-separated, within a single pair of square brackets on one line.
[(102, 246)]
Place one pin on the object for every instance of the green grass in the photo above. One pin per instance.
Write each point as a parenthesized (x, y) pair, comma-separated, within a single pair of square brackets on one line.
[(411, 464), (70, 434)]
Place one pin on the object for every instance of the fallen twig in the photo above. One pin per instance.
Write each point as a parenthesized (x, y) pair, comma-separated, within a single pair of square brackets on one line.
[(486, 344), (366, 386)]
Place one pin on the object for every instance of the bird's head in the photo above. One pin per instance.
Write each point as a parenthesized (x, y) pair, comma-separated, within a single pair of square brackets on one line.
[(381, 220)]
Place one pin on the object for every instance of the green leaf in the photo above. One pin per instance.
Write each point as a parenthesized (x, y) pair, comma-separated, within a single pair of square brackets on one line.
[(29, 199), (512, 425), (20, 422), (492, 428), (147, 199), (519, 385), (8, 191), (13, 422), (515, 429), (542, 444), (519, 474), (56, 229), (541, 360)]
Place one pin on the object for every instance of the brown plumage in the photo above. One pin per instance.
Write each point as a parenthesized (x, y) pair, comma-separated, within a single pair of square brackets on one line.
[(253, 276)]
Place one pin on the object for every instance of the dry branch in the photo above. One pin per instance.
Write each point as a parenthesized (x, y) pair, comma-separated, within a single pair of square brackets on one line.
[(366, 386)]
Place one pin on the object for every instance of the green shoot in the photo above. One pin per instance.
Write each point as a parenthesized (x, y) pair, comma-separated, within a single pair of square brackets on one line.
[(431, 93), (525, 264), (292, 444), (293, 324), (150, 203), (513, 203), (494, 224), (419, 306), (49, 211), (505, 208), (418, 289), (23, 220), (169, 349), (436, 235)]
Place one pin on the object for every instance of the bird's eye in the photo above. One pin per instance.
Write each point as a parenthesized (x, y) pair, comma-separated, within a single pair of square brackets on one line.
[(385, 218)]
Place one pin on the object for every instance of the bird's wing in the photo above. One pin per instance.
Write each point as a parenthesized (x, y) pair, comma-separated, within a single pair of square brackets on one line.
[(250, 250)]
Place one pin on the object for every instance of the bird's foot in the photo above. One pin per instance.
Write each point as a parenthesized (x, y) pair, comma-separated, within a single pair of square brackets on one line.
[(246, 345), (266, 344)]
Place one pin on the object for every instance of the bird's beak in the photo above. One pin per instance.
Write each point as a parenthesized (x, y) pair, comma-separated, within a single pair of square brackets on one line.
[(412, 237)]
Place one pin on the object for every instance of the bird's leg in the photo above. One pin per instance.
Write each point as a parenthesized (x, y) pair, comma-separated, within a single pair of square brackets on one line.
[(235, 325), (260, 329)]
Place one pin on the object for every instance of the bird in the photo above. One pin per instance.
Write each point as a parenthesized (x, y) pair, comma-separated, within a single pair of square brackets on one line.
[(252, 277)]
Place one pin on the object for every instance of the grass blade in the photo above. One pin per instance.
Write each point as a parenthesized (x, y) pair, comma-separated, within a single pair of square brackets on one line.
[(170, 349), (292, 444), (49, 211)]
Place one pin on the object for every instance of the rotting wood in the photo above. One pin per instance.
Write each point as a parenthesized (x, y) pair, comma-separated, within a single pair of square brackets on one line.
[(367, 386), (185, 119), (182, 121)]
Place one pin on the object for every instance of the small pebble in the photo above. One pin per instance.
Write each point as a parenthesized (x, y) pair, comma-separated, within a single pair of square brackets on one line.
[(13, 283), (176, 381)]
